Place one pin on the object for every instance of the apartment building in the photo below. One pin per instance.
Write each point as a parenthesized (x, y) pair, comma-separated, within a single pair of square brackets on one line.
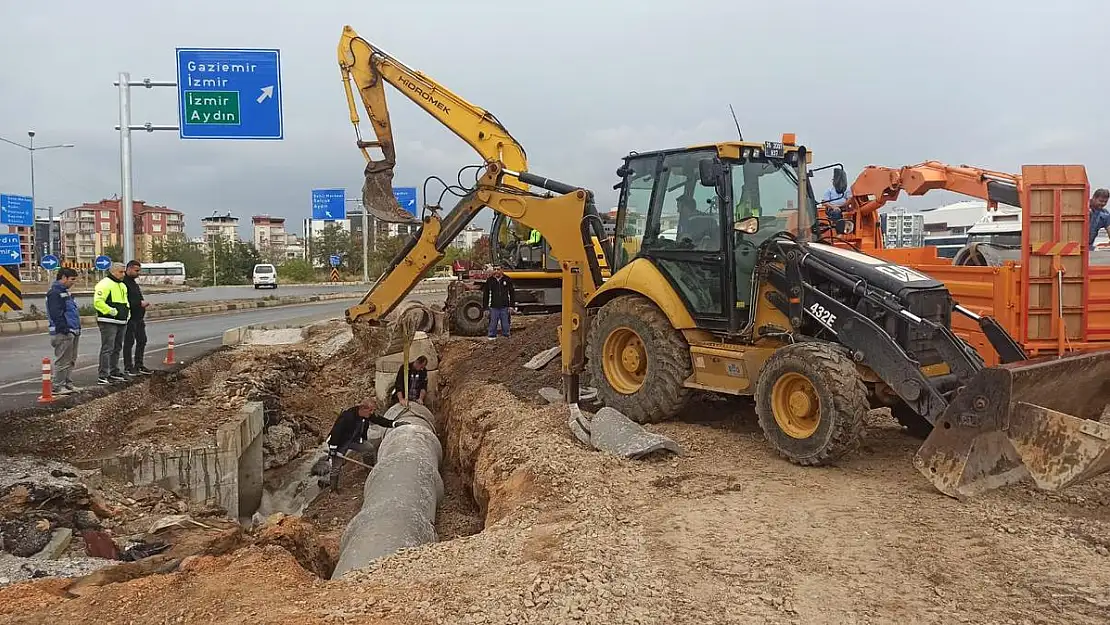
[(215, 225), (269, 236), (90, 229)]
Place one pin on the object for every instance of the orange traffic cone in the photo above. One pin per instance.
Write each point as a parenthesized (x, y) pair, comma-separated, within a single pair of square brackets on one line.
[(47, 384), (169, 353)]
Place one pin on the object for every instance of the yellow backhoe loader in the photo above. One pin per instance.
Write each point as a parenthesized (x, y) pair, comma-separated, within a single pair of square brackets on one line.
[(527, 260), (718, 285)]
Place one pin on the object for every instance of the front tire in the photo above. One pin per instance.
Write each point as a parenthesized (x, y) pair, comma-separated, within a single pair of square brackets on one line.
[(812, 403), (468, 318), (638, 361)]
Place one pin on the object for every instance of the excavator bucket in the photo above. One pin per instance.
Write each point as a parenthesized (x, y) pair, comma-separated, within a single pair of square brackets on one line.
[(1036, 418), (377, 195)]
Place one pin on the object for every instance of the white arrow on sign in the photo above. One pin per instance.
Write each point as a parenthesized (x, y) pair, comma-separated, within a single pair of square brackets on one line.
[(267, 92)]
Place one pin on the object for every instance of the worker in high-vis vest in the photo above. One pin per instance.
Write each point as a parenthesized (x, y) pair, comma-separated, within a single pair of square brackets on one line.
[(112, 312), (534, 237)]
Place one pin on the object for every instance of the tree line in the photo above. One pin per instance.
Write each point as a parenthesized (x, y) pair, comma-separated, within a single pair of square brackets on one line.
[(232, 262)]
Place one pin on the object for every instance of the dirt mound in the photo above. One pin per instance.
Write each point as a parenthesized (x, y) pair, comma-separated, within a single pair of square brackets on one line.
[(502, 361)]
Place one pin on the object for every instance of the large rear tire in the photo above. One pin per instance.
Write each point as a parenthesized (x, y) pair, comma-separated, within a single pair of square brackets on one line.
[(637, 360), (811, 403), (468, 317)]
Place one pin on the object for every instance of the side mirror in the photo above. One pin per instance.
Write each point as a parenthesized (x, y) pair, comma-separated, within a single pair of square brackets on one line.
[(747, 225), (709, 172)]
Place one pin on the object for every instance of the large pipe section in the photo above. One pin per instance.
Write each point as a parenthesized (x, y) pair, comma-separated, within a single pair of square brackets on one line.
[(401, 493)]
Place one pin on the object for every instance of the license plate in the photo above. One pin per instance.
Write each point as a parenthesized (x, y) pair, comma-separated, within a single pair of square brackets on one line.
[(773, 149)]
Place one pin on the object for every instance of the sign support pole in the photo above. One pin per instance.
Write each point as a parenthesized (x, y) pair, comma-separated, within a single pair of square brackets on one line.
[(125, 127)]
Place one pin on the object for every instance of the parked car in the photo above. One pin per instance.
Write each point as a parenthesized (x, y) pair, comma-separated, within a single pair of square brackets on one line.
[(265, 274)]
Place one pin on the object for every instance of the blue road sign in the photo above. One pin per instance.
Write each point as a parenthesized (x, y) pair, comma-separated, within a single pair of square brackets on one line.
[(229, 94), (102, 262), (334, 259), (49, 262), (406, 197), (16, 210), (10, 253), (329, 204)]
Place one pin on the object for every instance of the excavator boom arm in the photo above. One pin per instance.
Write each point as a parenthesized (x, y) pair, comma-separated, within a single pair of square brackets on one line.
[(369, 68), (567, 221), (875, 186)]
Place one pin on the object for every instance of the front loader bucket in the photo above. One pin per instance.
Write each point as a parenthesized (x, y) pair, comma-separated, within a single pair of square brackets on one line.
[(377, 194), (1035, 418)]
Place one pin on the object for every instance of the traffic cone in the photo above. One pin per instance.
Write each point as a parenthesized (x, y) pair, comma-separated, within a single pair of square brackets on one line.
[(47, 384), (169, 353)]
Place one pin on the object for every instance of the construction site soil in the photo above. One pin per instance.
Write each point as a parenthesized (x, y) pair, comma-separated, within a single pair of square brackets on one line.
[(537, 528)]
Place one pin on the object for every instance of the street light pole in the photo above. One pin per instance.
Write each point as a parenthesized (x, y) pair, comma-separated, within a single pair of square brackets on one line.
[(30, 147)]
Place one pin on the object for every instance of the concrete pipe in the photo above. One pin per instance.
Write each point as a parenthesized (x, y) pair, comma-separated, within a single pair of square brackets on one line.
[(401, 494), (418, 314)]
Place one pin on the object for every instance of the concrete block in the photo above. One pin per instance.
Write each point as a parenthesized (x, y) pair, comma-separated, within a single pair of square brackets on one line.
[(226, 471), (234, 336), (57, 546)]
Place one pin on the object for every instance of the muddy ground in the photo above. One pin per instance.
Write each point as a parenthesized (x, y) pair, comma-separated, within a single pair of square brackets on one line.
[(726, 533)]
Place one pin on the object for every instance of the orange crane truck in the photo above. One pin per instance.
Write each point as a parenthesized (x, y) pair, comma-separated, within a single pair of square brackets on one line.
[(1053, 301)]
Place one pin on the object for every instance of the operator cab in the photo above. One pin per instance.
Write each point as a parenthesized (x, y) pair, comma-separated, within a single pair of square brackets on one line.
[(700, 216)]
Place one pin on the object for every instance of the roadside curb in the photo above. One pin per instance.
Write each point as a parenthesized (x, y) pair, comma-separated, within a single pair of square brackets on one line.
[(30, 327)]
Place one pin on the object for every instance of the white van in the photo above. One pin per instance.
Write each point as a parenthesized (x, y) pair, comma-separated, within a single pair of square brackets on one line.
[(265, 275)]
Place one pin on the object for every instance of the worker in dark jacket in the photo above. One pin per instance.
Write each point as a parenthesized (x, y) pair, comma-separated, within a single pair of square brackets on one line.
[(417, 388), (498, 297), (349, 433), (134, 337), (65, 329)]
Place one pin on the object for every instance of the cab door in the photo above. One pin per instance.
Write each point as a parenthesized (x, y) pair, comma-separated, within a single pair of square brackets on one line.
[(685, 238)]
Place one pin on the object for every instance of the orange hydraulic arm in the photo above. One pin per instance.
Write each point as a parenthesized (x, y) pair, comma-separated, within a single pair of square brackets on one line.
[(875, 186)]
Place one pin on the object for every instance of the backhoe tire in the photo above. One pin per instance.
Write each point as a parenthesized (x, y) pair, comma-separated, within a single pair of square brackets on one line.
[(637, 360), (811, 402), (916, 425), (467, 317)]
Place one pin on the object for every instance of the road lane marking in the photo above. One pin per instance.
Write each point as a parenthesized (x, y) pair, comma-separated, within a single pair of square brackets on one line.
[(38, 380)]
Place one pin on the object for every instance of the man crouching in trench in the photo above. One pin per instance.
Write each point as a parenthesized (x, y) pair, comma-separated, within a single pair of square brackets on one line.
[(349, 434)]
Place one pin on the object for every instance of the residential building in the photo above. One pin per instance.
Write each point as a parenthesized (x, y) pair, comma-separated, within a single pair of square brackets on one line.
[(270, 238), (226, 226), (87, 231), (155, 223), (468, 237), (294, 247)]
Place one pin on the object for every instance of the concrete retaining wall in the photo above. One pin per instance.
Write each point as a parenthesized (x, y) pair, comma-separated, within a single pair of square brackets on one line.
[(226, 471)]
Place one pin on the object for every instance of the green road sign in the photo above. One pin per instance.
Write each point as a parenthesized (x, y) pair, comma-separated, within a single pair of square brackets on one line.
[(212, 107)]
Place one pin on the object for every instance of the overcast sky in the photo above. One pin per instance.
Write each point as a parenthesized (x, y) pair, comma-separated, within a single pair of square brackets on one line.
[(580, 84)]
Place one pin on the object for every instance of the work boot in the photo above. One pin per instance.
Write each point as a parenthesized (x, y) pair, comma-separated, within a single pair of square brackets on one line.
[(143, 370)]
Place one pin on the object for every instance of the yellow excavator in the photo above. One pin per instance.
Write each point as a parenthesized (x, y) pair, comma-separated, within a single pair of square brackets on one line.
[(526, 257), (719, 284)]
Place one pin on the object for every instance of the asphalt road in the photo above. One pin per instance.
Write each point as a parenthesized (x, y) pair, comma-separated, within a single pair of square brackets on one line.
[(194, 337), (216, 293)]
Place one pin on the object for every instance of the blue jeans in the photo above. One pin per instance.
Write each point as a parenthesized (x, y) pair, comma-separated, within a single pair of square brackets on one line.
[(497, 315)]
